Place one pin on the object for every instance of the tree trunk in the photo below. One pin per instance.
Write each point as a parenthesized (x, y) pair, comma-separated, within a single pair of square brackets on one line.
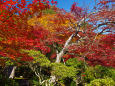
[(58, 58), (13, 72), (76, 82)]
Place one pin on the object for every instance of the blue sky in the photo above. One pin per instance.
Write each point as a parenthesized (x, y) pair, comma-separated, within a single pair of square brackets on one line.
[(66, 4)]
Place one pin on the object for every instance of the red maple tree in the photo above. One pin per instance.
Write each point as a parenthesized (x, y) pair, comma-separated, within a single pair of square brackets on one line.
[(82, 38), (15, 33)]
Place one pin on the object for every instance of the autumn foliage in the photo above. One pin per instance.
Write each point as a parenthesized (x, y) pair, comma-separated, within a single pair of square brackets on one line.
[(15, 33), (59, 44), (26, 26)]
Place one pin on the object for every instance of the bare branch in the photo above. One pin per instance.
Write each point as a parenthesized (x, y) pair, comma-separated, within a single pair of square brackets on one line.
[(105, 23)]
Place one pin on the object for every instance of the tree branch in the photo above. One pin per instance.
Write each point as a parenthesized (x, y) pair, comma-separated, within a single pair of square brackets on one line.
[(13, 72), (105, 23), (58, 58)]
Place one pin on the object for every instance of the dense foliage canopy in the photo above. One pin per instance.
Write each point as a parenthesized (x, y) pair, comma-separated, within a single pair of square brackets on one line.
[(57, 45)]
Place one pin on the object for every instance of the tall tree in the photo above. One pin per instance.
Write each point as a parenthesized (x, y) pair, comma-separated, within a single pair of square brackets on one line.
[(88, 36)]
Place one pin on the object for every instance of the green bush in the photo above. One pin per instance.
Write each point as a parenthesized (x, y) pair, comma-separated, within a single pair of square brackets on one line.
[(62, 71), (102, 82), (98, 72)]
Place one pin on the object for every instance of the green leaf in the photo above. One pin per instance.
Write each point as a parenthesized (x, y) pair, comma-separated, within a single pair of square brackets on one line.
[(62, 71)]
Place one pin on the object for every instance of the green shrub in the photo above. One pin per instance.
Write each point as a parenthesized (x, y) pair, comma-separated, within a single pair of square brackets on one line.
[(102, 82), (62, 71)]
